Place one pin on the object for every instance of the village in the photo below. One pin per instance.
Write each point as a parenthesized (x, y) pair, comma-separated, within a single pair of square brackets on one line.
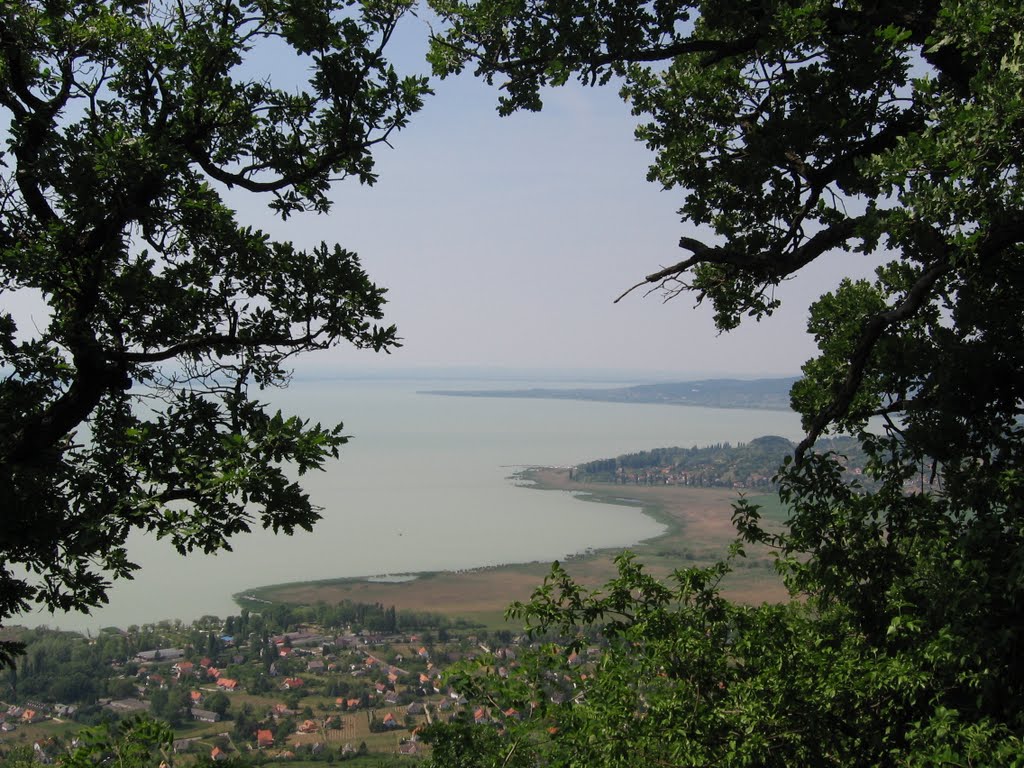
[(305, 695)]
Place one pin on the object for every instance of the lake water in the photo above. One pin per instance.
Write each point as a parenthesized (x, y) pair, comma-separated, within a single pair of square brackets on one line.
[(425, 485)]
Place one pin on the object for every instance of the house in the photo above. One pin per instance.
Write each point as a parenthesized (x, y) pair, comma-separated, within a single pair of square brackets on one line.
[(204, 715), (195, 697), (218, 755), (316, 665), (352, 703), (264, 739), (291, 683), (390, 722), (33, 716), (416, 708), (183, 669), (481, 716), (160, 654), (308, 726), (183, 745), (43, 750), (227, 684)]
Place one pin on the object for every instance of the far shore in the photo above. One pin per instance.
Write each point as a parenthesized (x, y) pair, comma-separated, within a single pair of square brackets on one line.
[(698, 530)]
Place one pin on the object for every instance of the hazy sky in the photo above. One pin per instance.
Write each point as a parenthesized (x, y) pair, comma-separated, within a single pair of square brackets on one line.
[(503, 242)]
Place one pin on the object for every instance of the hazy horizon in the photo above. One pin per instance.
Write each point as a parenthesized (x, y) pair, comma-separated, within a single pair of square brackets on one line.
[(310, 371), (503, 243)]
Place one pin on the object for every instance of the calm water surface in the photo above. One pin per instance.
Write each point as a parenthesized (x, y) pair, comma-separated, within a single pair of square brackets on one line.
[(424, 485)]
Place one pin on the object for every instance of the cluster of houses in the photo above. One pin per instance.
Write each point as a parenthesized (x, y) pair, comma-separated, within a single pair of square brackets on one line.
[(44, 750), (14, 716), (709, 476), (398, 692)]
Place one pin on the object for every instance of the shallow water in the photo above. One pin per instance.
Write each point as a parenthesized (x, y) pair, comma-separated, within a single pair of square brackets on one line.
[(425, 484)]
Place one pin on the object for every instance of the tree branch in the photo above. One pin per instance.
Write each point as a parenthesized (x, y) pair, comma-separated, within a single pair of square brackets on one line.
[(212, 341), (873, 330), (998, 238), (774, 264)]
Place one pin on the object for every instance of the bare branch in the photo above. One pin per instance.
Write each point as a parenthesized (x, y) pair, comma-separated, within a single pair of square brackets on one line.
[(771, 264)]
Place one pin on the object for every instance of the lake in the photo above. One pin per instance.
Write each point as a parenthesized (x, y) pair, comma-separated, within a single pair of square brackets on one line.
[(425, 484)]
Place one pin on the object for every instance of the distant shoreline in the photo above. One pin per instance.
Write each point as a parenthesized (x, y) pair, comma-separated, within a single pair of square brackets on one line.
[(757, 394), (698, 530)]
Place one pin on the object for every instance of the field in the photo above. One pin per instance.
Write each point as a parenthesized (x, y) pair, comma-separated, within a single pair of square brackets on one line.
[(698, 531)]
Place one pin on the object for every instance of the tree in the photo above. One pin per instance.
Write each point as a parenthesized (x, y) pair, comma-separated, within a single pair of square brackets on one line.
[(218, 702), (121, 688), (795, 130), (128, 406), (245, 723), (137, 742)]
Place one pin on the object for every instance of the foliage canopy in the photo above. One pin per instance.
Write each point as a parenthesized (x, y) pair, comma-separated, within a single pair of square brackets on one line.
[(128, 405), (794, 130)]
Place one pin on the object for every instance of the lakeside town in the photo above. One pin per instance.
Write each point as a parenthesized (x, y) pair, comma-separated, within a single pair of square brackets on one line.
[(750, 465), (307, 684), (251, 687)]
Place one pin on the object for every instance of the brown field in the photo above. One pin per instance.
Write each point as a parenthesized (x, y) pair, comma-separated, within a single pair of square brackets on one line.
[(699, 530)]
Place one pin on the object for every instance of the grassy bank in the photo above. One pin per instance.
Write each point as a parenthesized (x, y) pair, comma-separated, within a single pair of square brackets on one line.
[(698, 529)]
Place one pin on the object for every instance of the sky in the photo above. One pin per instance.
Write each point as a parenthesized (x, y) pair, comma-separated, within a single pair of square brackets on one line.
[(503, 243)]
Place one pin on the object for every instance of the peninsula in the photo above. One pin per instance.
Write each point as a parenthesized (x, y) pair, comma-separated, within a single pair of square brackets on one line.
[(698, 531), (769, 394)]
